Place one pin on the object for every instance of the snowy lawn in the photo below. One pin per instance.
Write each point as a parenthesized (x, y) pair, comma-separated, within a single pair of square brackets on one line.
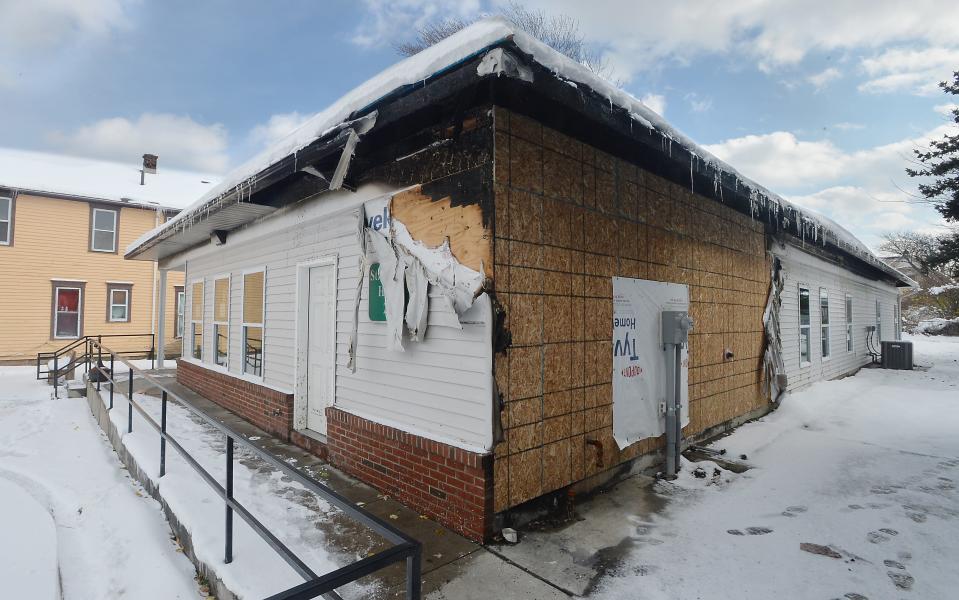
[(864, 467), (70, 515)]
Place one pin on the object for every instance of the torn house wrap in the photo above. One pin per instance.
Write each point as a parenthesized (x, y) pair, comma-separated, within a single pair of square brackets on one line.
[(410, 265)]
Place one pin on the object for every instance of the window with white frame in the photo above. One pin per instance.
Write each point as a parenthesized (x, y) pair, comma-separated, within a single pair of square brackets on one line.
[(196, 320), (804, 348), (67, 310), (849, 343), (179, 311), (878, 321), (824, 323), (103, 230), (6, 220), (253, 323), (221, 321), (118, 303)]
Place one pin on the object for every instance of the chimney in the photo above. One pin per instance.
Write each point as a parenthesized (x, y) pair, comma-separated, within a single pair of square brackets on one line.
[(150, 163)]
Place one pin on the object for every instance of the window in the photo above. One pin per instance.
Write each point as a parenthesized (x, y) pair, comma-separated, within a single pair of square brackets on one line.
[(221, 321), (6, 221), (878, 321), (103, 230), (253, 323), (824, 322), (196, 320), (848, 323), (118, 303), (897, 322), (179, 309), (803, 326), (67, 310)]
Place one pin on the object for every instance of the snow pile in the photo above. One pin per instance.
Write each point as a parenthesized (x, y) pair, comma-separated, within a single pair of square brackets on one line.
[(56, 173), (89, 524), (941, 289), (470, 42)]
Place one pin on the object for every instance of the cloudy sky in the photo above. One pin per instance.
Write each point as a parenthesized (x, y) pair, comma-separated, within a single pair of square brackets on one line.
[(819, 101)]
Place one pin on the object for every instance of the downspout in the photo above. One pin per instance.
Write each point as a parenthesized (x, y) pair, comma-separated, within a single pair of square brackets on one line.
[(153, 295)]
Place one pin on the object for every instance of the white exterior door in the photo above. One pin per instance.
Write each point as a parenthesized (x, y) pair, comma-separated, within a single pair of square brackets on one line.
[(321, 345)]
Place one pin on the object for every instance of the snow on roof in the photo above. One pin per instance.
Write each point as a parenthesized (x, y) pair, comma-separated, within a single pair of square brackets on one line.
[(40, 172), (473, 40)]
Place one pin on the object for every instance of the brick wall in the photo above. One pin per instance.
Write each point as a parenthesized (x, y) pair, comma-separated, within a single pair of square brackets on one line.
[(446, 483), (568, 218), (266, 408)]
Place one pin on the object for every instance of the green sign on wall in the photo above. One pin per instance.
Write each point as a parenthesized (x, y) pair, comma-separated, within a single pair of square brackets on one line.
[(377, 299)]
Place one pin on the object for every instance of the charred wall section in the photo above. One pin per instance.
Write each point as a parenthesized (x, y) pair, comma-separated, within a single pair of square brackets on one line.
[(568, 218)]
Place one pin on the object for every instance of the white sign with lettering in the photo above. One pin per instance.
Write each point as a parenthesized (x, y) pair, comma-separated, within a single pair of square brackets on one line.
[(639, 360)]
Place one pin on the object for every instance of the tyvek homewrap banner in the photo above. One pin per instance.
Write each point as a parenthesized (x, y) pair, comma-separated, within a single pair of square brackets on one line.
[(639, 360)]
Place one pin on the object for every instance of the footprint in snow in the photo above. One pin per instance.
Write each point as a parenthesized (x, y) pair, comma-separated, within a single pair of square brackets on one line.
[(792, 511), (855, 596), (903, 580), (891, 532), (876, 538), (893, 564), (758, 530)]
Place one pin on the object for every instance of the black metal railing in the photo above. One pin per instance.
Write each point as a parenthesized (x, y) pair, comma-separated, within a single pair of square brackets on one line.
[(404, 547), (65, 360)]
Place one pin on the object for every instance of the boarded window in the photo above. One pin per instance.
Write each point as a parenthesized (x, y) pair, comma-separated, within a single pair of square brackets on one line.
[(221, 318), (253, 323)]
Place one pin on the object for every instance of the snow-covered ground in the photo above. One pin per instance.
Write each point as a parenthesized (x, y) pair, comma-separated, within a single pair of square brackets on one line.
[(865, 467), (70, 515)]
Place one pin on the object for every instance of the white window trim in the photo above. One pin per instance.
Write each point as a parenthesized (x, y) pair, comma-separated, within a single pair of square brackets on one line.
[(808, 327), (850, 340), (194, 321), (94, 230), (56, 313), (825, 330), (229, 301), (244, 324), (179, 310), (125, 305), (8, 220)]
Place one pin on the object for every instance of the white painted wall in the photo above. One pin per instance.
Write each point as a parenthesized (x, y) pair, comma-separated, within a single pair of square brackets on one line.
[(441, 388), (803, 269)]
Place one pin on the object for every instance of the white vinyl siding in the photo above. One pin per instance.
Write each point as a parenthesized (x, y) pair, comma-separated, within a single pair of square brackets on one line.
[(804, 270), (440, 388)]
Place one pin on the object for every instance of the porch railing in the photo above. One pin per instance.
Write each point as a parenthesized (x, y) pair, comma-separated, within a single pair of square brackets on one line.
[(403, 548), (56, 364)]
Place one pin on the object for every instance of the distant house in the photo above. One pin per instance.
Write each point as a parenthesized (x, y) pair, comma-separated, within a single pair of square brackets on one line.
[(64, 225), (430, 282)]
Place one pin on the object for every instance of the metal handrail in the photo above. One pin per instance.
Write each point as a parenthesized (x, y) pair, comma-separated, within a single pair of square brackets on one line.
[(404, 547), (58, 369)]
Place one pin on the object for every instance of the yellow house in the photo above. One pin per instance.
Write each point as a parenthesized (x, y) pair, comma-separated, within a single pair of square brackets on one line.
[(64, 225)]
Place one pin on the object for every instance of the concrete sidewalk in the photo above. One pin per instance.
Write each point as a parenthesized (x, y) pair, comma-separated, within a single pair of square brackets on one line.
[(554, 559)]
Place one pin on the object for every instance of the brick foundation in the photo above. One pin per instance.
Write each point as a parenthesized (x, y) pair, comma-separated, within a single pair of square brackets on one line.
[(265, 407), (446, 483)]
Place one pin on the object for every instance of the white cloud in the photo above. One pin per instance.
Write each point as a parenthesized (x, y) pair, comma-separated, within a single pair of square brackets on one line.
[(388, 21), (276, 128), (178, 140), (945, 109), (655, 102), (697, 103), (910, 70), (866, 190), (38, 28), (824, 78)]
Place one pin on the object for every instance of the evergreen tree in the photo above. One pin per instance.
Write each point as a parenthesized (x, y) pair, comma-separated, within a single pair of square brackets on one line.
[(940, 162)]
